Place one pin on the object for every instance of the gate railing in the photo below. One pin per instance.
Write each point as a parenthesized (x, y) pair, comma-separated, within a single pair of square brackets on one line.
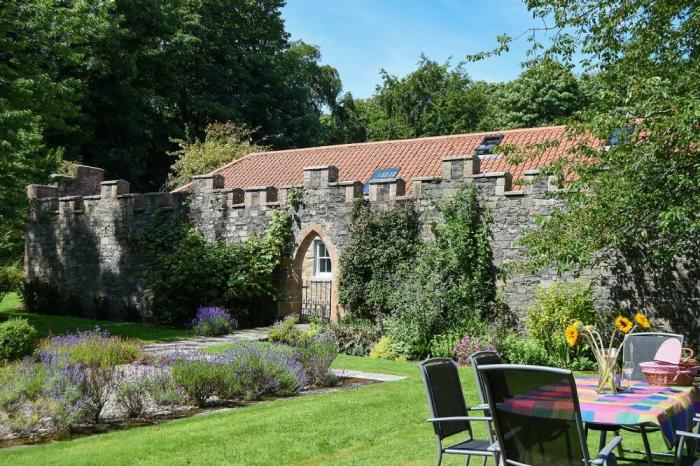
[(316, 299)]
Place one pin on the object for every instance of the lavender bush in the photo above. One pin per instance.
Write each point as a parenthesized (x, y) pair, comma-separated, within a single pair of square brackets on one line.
[(47, 394), (198, 378), (161, 387), (254, 370), (316, 354), (92, 348), (213, 321), (471, 344), (131, 396)]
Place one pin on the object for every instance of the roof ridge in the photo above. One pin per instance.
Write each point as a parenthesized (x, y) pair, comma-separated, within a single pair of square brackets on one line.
[(422, 138)]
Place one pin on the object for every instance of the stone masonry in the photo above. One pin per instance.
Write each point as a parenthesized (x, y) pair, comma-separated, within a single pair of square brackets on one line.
[(79, 237)]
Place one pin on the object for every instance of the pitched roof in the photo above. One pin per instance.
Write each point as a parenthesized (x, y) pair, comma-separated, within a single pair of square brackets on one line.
[(414, 157)]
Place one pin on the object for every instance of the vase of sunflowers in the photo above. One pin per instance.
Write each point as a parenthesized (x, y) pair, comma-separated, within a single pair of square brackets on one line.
[(606, 355)]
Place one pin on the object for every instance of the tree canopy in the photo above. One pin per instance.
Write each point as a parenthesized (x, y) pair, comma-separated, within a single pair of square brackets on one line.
[(438, 99), (642, 194), (114, 83)]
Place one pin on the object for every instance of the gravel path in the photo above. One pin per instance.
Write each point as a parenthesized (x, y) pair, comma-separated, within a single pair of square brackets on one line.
[(198, 343)]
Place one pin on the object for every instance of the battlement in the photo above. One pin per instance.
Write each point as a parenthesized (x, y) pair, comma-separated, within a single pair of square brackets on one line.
[(85, 192)]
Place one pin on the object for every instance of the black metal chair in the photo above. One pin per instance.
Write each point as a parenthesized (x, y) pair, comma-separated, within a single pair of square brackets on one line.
[(537, 417), (690, 459), (477, 359), (638, 348), (449, 413), (481, 358)]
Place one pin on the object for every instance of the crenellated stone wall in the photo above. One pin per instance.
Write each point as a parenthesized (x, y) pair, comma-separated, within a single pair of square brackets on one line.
[(79, 240)]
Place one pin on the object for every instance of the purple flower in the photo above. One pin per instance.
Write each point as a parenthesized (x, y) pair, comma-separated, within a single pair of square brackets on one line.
[(469, 345), (211, 321)]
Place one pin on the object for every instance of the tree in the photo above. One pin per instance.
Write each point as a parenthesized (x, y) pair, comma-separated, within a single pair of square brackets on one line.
[(642, 194), (168, 66), (435, 99), (545, 93), (223, 143), (432, 100), (39, 41)]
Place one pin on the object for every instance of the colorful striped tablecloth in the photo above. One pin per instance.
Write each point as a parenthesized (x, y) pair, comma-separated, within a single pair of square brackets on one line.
[(669, 408)]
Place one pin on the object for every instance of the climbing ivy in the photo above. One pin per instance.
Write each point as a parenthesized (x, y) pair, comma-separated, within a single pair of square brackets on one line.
[(186, 271), (450, 289), (380, 241)]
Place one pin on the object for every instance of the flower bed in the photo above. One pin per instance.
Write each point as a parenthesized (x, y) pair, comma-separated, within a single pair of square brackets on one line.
[(77, 381)]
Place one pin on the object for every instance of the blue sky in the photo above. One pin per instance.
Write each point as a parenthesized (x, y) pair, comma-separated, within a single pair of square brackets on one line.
[(359, 37)]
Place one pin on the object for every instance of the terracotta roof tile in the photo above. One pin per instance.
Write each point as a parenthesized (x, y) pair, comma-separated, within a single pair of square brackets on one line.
[(414, 157)]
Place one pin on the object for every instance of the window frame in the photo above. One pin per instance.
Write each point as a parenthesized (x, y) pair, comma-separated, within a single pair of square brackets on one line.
[(326, 275)]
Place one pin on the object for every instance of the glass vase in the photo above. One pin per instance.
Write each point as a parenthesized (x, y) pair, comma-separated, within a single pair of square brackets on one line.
[(607, 373)]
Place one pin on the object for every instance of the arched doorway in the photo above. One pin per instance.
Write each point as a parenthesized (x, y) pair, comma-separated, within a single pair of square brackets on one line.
[(311, 283)]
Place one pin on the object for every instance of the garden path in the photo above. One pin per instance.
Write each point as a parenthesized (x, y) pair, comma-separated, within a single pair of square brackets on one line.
[(198, 343)]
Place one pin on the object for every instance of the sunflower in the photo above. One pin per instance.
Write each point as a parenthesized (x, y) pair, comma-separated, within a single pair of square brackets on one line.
[(572, 335), (623, 324), (642, 321)]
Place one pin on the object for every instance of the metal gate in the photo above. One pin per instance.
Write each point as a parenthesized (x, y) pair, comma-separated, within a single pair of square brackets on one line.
[(316, 299)]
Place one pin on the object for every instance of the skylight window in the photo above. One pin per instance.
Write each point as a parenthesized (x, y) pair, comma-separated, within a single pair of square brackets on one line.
[(485, 149), (620, 135), (382, 174)]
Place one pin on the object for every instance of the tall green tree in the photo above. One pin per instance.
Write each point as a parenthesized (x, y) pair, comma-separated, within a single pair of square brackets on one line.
[(545, 93), (643, 193), (435, 99), (173, 65), (112, 83), (41, 43)]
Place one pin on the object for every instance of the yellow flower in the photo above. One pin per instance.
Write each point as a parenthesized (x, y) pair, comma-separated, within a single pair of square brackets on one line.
[(572, 335), (642, 321), (623, 324)]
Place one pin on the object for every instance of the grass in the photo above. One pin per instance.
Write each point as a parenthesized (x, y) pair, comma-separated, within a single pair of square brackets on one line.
[(58, 325), (380, 424)]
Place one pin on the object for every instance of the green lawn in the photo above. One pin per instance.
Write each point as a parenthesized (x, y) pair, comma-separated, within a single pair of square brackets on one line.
[(63, 324), (380, 424)]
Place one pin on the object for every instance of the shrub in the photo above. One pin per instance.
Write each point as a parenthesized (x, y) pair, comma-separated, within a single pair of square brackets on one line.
[(554, 309), (316, 353), (10, 279), (248, 370), (186, 270), (130, 397), (518, 350), (198, 378), (213, 321), (451, 285), (92, 348), (354, 337), (468, 345), (161, 387), (17, 338), (49, 394), (380, 241), (285, 331), (383, 350), (254, 370)]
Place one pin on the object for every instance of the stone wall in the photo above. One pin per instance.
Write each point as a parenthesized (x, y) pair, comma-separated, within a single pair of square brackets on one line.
[(80, 244)]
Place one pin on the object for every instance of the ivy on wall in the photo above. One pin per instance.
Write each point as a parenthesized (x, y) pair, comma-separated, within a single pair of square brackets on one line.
[(380, 241), (421, 292), (186, 271), (450, 289)]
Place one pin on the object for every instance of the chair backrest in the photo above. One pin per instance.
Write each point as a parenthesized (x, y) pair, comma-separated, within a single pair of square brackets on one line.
[(537, 417), (642, 347), (481, 358), (445, 397)]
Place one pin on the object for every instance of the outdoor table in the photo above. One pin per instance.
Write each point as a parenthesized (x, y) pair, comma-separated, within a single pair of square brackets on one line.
[(668, 408)]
